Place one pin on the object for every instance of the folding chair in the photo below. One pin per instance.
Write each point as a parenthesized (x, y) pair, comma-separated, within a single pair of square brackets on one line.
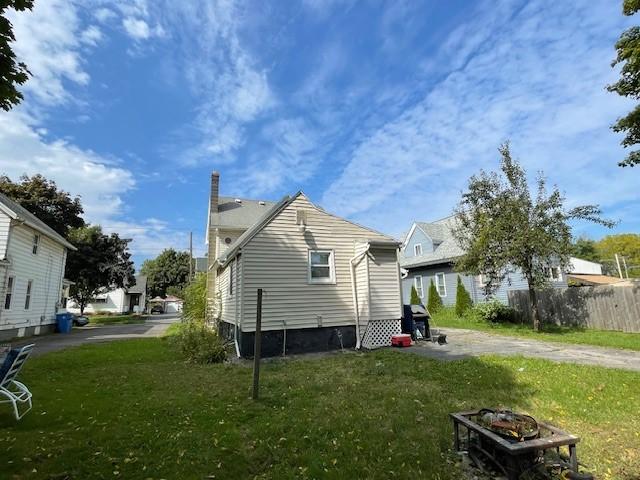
[(15, 392)]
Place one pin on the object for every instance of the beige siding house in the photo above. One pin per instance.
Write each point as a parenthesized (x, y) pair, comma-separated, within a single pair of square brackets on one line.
[(327, 282), (32, 264)]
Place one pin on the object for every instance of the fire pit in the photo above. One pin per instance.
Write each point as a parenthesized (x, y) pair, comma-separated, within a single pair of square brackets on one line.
[(513, 443)]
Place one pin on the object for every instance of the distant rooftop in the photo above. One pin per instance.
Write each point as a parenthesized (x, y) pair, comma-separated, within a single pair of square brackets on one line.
[(446, 247)]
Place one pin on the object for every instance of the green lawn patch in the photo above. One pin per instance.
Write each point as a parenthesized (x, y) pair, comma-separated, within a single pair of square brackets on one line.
[(115, 319), (132, 410), (551, 333)]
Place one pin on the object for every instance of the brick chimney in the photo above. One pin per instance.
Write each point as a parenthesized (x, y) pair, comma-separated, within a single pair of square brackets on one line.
[(215, 188)]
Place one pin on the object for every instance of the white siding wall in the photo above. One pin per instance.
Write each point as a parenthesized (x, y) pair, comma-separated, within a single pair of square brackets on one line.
[(577, 265), (117, 302), (45, 269), (5, 223), (276, 259), (385, 285), (227, 299), (222, 235)]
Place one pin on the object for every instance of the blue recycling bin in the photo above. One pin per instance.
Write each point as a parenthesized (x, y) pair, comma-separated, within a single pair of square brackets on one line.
[(64, 322)]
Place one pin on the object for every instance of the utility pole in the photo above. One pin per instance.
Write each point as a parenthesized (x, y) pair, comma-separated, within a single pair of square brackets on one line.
[(190, 256), (618, 263)]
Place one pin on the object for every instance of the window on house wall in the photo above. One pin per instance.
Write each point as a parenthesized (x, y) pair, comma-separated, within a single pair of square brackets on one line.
[(321, 266), (441, 284), (417, 249), (36, 244), (553, 273), (417, 283), (9, 293), (27, 298), (99, 300), (231, 278)]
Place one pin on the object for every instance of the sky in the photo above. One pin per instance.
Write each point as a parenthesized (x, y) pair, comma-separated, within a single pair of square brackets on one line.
[(379, 111)]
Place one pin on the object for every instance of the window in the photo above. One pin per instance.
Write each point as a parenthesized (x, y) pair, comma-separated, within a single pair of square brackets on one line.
[(321, 266), (36, 242), (417, 249), (553, 273), (231, 279), (9, 293), (417, 282), (100, 300), (27, 298), (441, 284)]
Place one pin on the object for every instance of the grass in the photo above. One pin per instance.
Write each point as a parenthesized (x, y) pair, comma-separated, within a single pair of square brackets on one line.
[(115, 319), (551, 333), (134, 411)]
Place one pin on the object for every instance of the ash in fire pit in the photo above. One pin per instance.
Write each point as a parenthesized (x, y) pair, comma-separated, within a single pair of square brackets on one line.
[(516, 445)]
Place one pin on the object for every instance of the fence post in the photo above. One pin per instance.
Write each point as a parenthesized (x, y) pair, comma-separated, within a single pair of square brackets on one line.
[(256, 347)]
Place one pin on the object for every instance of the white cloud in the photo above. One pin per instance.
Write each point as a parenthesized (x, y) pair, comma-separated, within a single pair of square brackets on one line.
[(91, 35), (136, 28), (104, 14), (535, 76)]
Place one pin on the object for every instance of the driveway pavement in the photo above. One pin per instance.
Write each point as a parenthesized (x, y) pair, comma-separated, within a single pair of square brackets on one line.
[(154, 326), (465, 343)]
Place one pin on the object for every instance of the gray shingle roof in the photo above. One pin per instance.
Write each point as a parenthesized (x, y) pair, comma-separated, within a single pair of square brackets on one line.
[(18, 212), (239, 215), (446, 247), (140, 286)]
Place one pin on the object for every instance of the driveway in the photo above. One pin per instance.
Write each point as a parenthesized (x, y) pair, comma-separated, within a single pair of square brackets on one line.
[(154, 326), (465, 343)]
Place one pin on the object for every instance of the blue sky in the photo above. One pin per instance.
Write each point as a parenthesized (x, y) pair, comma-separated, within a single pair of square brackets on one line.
[(379, 111)]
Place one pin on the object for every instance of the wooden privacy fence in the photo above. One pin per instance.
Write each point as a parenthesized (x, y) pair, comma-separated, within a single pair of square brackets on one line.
[(602, 307)]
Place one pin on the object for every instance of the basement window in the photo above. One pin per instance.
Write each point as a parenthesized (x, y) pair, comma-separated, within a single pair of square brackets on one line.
[(321, 266)]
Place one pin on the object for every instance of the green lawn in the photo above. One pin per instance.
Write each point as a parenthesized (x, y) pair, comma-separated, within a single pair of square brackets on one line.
[(113, 319), (131, 410), (551, 333)]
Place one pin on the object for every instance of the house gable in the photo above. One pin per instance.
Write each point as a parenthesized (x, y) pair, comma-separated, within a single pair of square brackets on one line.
[(417, 236)]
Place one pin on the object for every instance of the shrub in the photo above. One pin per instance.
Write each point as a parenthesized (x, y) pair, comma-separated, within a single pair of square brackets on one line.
[(435, 302), (463, 299), (199, 343), (495, 312), (194, 296), (415, 299)]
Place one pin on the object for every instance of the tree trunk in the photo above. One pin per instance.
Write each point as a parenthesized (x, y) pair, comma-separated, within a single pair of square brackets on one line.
[(82, 305), (535, 314)]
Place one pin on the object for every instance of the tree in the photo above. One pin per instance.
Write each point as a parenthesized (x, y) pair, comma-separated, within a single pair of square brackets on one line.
[(101, 262), (169, 269), (195, 299), (12, 73), (585, 248), (626, 245), (415, 298), (434, 302), (463, 299), (628, 54), (501, 226), (42, 197)]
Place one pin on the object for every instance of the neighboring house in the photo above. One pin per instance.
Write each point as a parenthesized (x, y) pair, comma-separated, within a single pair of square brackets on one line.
[(169, 304), (131, 299), (32, 262), (429, 253), (327, 282), (200, 264)]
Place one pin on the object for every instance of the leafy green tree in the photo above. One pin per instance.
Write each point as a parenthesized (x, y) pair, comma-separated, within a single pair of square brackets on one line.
[(101, 262), (502, 226), (175, 291), (415, 298), (463, 299), (42, 197), (434, 302), (169, 269), (585, 248), (628, 54), (626, 245), (12, 73), (194, 294)]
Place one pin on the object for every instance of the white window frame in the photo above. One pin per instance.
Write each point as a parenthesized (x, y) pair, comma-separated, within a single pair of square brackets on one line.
[(444, 284), (231, 279), (28, 295), (8, 292), (332, 268), (419, 289), (551, 277), (416, 247), (36, 244)]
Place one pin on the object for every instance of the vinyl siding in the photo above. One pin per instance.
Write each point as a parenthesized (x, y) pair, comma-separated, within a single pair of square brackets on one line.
[(45, 270), (418, 236), (276, 259), (362, 286), (5, 223), (384, 284), (228, 301), (220, 237), (117, 302)]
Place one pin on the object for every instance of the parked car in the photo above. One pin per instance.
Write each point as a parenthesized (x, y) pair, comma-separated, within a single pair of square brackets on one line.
[(157, 309), (80, 321)]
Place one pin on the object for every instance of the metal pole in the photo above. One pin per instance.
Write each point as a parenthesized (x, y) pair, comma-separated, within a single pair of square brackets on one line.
[(618, 263), (626, 271), (256, 347), (190, 255)]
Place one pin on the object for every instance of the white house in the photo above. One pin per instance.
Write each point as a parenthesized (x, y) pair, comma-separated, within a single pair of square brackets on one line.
[(131, 299), (327, 282), (32, 264)]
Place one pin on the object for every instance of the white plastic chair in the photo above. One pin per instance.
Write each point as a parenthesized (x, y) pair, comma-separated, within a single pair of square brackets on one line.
[(15, 392)]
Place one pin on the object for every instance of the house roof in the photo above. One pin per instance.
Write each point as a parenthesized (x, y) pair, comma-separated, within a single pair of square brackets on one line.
[(140, 286), (446, 248), (593, 279), (238, 214), (18, 212)]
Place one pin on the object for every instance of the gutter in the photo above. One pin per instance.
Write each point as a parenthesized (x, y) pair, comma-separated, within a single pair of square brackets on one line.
[(352, 271)]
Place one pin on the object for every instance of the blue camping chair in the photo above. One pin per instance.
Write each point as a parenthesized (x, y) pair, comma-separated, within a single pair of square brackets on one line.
[(15, 392)]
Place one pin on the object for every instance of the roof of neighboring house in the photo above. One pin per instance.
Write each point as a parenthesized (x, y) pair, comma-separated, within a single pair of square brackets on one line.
[(201, 264), (172, 298), (140, 286), (18, 212), (594, 279), (242, 214), (446, 247)]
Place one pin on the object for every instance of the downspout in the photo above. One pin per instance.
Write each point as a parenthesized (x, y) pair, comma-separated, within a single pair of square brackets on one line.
[(352, 270)]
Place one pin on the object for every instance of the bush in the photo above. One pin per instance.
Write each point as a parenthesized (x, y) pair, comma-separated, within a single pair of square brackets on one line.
[(194, 296), (435, 302), (415, 299), (495, 312), (463, 299), (199, 343)]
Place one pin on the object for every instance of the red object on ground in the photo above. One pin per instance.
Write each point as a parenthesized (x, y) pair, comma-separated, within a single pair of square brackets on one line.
[(401, 340)]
